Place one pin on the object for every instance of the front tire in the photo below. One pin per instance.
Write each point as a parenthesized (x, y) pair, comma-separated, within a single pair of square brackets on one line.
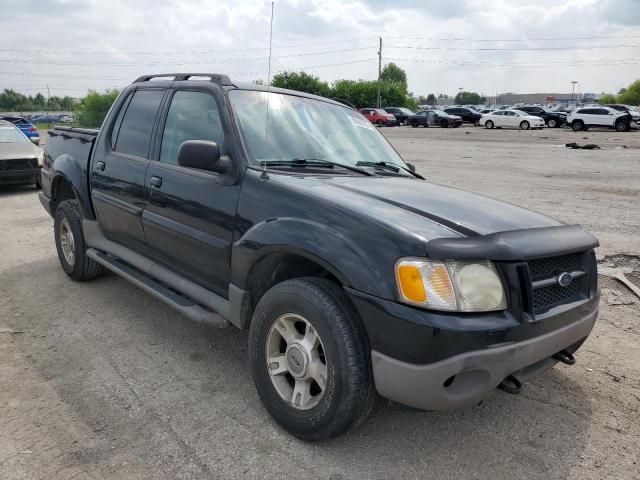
[(552, 123), (72, 250), (310, 359), (488, 124), (524, 125), (622, 127), (414, 123), (577, 126)]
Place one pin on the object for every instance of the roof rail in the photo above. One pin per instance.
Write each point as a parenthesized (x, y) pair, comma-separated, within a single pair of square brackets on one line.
[(218, 78)]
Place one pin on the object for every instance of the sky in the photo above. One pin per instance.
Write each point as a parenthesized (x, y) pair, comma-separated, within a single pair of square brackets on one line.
[(486, 46)]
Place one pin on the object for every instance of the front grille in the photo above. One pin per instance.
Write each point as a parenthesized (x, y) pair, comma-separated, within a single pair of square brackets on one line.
[(551, 266), (18, 164), (547, 297), (546, 292)]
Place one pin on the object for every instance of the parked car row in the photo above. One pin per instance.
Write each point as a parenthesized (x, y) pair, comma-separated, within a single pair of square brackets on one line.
[(525, 117)]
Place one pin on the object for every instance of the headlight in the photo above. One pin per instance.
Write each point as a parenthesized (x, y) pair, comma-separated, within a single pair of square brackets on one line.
[(41, 158), (450, 285)]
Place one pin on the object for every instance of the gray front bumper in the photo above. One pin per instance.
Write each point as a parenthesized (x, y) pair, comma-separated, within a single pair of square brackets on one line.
[(476, 374)]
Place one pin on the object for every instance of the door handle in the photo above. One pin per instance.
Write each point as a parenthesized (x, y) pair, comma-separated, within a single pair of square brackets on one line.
[(101, 166), (155, 181)]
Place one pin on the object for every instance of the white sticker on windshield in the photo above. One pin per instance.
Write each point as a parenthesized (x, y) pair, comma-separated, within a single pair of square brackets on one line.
[(362, 122)]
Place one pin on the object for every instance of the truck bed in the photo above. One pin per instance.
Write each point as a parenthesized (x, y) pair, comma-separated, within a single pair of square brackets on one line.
[(72, 147)]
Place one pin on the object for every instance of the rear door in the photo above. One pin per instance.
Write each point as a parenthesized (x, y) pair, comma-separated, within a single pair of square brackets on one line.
[(510, 118), (190, 215), (603, 117), (119, 166), (498, 118)]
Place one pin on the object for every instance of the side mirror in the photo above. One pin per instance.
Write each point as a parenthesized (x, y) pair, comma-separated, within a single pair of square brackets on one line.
[(200, 154), (411, 166), (34, 140)]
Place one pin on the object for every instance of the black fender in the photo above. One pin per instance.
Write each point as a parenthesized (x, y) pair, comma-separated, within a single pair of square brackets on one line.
[(322, 244), (67, 169)]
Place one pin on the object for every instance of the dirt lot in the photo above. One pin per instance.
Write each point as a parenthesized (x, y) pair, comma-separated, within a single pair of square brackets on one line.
[(100, 380)]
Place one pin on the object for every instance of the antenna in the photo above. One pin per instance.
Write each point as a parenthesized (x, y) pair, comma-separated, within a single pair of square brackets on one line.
[(266, 127), (270, 42)]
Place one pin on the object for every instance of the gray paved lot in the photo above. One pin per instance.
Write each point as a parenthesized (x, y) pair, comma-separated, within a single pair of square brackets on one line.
[(100, 380)]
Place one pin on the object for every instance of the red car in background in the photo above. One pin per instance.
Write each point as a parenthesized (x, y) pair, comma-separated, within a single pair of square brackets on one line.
[(378, 116)]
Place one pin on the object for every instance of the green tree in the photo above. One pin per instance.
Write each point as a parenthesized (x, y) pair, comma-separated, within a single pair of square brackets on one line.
[(431, 99), (621, 91), (302, 82), (94, 107), (469, 98), (631, 95), (607, 98), (39, 101), (394, 75)]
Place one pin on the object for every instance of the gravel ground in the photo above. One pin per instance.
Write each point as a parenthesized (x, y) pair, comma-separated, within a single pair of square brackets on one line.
[(100, 380)]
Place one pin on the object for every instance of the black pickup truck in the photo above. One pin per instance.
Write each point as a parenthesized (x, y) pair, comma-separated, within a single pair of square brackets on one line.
[(290, 215)]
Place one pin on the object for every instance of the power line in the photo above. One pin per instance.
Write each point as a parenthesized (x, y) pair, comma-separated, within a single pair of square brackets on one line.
[(577, 63), (174, 52), (500, 49), (540, 39), (246, 73), (194, 62)]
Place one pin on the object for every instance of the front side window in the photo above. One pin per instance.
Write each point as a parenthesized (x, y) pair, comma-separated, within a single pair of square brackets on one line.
[(134, 135), (285, 127), (192, 116)]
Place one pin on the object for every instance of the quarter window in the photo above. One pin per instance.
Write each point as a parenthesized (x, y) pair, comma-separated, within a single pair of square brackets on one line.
[(192, 116)]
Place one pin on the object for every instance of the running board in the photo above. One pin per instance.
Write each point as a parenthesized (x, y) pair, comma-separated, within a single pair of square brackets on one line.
[(182, 304)]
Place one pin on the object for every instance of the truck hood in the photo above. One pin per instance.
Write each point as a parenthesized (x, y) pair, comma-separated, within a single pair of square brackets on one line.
[(421, 208), (13, 151)]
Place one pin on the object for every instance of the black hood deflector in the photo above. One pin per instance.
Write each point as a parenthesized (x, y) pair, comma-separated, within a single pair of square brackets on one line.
[(514, 245)]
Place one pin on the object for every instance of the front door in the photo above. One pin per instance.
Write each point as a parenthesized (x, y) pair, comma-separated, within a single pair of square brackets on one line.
[(119, 166), (190, 214)]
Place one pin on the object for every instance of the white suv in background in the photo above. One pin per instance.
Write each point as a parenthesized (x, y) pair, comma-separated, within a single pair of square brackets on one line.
[(596, 116)]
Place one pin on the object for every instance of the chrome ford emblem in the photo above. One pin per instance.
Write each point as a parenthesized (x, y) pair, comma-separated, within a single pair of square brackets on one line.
[(565, 279)]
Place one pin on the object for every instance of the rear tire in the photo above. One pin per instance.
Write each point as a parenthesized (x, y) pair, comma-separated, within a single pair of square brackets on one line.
[(488, 124), (577, 125), (414, 123), (345, 395), (72, 250), (379, 123), (524, 125)]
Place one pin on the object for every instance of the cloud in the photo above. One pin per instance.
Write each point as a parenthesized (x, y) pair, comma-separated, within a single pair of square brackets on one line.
[(95, 44), (621, 12)]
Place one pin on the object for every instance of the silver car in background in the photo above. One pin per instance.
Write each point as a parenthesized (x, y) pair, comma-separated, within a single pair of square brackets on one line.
[(20, 159)]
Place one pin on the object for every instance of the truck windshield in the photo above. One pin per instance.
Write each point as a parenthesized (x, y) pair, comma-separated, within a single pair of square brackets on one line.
[(299, 127)]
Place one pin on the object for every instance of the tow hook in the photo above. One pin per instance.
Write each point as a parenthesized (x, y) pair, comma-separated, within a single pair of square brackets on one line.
[(565, 357), (511, 385)]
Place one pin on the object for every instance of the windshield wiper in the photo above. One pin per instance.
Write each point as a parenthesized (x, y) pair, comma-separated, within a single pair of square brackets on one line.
[(313, 162), (392, 167)]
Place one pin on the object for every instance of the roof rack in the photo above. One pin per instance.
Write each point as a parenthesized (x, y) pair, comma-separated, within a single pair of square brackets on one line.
[(218, 78)]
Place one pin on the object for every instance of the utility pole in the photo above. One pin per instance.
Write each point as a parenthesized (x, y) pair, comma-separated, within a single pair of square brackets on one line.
[(379, 70), (573, 87)]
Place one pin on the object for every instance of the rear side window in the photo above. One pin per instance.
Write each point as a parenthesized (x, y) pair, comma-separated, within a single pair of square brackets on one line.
[(134, 135)]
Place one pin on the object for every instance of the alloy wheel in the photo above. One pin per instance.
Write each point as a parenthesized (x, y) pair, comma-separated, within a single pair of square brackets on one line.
[(296, 361)]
